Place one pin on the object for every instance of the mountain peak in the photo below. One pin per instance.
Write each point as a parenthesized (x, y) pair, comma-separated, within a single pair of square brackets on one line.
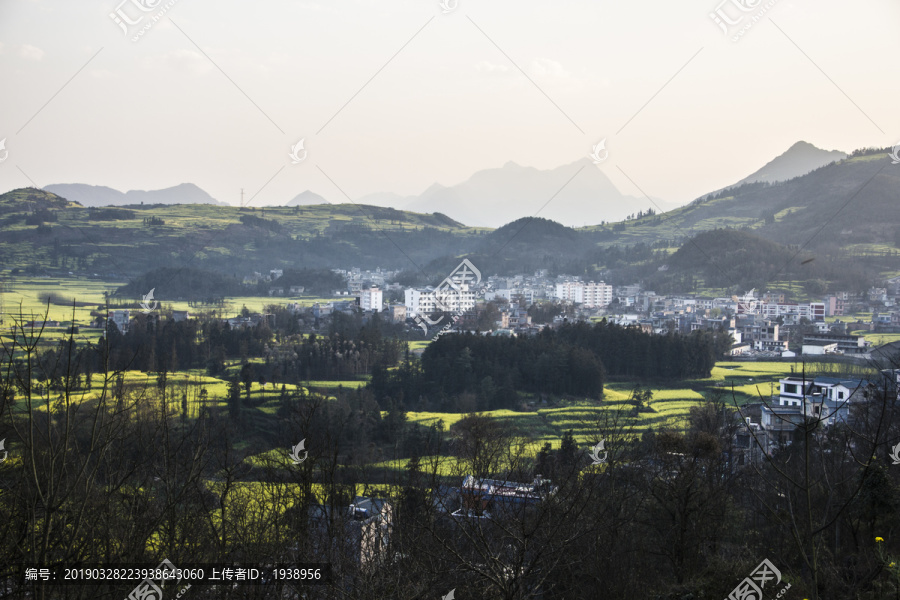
[(306, 198), (801, 158), (493, 197)]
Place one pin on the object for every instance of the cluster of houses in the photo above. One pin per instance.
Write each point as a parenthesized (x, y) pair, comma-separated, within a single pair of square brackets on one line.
[(361, 533), (358, 279), (772, 424), (759, 324)]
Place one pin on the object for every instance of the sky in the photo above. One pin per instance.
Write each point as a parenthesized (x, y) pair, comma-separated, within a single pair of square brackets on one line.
[(394, 96)]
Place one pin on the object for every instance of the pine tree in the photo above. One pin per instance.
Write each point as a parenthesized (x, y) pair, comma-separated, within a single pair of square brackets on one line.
[(568, 450), (234, 398)]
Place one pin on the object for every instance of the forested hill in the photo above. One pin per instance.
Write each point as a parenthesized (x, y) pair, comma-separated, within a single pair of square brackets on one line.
[(43, 232), (845, 215), (852, 201)]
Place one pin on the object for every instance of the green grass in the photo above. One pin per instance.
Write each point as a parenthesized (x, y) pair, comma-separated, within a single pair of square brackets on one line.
[(879, 339), (350, 384), (671, 405), (179, 385), (21, 296)]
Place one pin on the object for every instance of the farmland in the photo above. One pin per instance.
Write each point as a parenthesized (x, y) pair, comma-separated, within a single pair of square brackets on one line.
[(27, 296)]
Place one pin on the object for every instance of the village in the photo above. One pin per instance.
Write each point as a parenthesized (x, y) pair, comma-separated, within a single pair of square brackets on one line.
[(763, 325)]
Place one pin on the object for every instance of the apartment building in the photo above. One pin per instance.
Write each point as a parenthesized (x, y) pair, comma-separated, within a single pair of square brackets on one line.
[(371, 299), (814, 311), (425, 302), (589, 295)]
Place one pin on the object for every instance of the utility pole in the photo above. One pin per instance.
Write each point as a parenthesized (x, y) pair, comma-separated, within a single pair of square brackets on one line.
[(242, 197)]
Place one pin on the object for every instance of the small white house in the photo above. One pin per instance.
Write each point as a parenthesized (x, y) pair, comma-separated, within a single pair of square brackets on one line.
[(820, 349)]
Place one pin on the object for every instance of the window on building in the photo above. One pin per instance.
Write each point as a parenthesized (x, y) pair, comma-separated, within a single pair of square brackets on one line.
[(790, 388)]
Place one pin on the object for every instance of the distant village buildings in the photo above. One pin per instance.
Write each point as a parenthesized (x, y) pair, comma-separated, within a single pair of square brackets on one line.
[(767, 325), (425, 302), (589, 295), (120, 318), (371, 299)]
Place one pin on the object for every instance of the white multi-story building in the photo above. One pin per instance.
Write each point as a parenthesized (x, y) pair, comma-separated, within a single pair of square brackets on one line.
[(423, 302), (371, 299), (589, 295), (814, 311), (792, 391)]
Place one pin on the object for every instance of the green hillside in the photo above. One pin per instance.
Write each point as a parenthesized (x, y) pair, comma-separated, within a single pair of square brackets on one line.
[(839, 223), (856, 200), (43, 231)]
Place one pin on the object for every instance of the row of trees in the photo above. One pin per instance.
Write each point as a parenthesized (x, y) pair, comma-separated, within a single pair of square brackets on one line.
[(352, 349), (634, 354)]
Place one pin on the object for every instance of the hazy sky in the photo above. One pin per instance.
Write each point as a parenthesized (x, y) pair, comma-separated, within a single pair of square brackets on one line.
[(216, 93)]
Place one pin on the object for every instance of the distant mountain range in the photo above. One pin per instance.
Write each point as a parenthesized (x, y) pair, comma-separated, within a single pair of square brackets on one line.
[(575, 195), (494, 197), (99, 195)]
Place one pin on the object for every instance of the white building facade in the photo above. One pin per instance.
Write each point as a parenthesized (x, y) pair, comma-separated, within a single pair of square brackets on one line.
[(424, 302), (589, 295), (815, 311), (371, 299)]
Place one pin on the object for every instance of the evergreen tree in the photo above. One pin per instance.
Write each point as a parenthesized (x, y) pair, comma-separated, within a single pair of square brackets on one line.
[(542, 465), (568, 450), (234, 398)]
